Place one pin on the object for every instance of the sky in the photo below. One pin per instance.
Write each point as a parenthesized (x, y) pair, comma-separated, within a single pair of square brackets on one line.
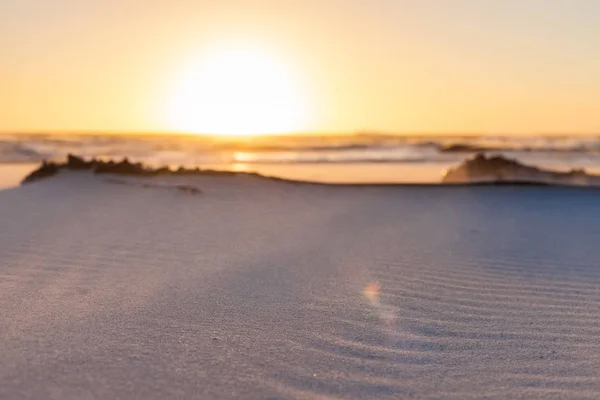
[(510, 66)]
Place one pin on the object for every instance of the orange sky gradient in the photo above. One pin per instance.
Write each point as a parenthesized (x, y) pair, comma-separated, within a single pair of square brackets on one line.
[(383, 65)]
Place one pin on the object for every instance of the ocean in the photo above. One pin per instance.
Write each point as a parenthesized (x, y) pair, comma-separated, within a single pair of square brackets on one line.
[(356, 158)]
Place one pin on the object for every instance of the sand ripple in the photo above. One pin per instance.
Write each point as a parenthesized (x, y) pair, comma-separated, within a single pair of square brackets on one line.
[(258, 289)]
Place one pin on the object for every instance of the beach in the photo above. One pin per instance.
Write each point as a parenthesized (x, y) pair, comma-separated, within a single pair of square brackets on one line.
[(265, 289), (281, 200)]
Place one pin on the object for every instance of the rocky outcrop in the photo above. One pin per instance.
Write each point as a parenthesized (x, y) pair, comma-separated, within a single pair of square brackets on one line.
[(78, 163), (501, 170), (46, 170), (123, 167)]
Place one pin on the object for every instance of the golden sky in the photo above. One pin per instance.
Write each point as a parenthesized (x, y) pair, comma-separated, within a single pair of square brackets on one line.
[(515, 66)]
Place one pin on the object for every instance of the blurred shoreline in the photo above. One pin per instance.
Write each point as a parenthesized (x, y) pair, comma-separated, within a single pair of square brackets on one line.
[(359, 158)]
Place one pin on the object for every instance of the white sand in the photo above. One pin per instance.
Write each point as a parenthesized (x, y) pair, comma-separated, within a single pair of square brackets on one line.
[(266, 290)]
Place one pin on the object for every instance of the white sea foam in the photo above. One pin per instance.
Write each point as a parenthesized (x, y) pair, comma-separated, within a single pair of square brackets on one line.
[(572, 152)]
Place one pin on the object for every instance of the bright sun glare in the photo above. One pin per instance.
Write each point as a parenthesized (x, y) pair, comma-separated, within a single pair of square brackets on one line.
[(238, 91)]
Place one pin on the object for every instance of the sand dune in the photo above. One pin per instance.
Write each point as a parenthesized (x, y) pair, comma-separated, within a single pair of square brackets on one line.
[(269, 290)]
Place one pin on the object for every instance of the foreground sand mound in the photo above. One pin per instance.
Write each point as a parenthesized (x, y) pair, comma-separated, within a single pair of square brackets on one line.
[(264, 290)]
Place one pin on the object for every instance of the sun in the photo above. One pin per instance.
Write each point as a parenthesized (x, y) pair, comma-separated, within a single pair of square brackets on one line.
[(238, 91)]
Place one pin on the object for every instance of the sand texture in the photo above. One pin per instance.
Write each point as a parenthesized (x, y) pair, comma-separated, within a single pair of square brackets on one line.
[(260, 289)]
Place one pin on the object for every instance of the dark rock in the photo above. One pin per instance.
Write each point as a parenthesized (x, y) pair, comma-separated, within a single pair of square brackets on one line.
[(122, 168), (501, 170), (77, 163), (125, 167), (186, 172), (210, 172), (494, 168), (46, 170), (163, 171)]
